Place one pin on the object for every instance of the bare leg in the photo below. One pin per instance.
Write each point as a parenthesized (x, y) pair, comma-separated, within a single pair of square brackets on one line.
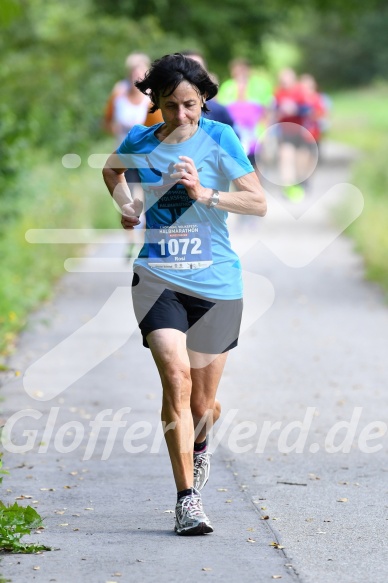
[(305, 163), (190, 381), (168, 347), (287, 164), (205, 377)]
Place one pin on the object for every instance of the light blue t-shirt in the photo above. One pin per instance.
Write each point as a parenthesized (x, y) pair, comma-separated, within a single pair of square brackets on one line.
[(187, 243)]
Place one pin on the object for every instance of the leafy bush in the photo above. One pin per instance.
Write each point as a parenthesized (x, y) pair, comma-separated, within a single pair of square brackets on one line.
[(16, 522)]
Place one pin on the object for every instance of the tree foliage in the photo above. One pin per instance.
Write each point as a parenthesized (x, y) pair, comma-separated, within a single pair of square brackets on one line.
[(226, 28), (223, 28), (59, 63), (344, 52)]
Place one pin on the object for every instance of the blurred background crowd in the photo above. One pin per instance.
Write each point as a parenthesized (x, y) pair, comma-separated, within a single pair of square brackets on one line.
[(289, 113)]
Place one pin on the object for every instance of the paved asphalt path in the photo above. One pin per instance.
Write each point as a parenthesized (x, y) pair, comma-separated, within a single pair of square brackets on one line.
[(320, 349)]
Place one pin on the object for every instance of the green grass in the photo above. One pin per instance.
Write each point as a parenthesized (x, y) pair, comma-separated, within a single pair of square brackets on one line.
[(360, 119), (49, 196)]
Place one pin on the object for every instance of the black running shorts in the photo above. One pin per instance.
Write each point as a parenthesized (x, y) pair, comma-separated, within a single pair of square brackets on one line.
[(212, 326)]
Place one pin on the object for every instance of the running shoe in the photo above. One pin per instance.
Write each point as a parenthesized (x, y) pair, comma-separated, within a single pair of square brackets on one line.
[(190, 518), (201, 469)]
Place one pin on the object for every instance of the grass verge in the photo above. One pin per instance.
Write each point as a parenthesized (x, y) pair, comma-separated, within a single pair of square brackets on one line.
[(49, 196), (360, 119)]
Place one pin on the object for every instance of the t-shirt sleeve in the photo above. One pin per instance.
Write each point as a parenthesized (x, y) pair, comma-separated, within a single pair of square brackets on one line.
[(233, 160)]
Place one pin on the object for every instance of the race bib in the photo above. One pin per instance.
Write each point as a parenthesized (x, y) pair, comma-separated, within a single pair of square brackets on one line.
[(180, 246)]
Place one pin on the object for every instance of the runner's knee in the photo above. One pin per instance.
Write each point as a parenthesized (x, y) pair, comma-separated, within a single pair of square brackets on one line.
[(176, 382)]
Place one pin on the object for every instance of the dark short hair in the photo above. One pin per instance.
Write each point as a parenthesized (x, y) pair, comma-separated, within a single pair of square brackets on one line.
[(167, 73), (193, 53)]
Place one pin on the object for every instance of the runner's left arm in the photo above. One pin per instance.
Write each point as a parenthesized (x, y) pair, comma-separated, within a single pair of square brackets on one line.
[(249, 199)]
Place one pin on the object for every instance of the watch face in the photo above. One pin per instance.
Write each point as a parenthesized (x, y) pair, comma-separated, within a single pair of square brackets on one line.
[(214, 199)]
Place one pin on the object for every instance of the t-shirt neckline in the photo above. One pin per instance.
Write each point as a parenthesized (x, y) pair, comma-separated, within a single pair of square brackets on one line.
[(162, 142)]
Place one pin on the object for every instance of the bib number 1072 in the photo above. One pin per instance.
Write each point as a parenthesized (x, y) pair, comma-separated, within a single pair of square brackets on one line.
[(180, 246)]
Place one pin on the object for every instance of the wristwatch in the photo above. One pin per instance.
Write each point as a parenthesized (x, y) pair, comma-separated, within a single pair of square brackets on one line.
[(214, 199)]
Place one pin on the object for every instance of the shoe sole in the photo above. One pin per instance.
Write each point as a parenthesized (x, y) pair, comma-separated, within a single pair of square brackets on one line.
[(201, 528)]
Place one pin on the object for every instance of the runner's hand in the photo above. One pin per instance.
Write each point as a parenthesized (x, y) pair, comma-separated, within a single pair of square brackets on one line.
[(130, 214), (187, 175)]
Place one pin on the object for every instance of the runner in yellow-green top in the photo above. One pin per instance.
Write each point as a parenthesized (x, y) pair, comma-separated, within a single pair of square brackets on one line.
[(248, 97)]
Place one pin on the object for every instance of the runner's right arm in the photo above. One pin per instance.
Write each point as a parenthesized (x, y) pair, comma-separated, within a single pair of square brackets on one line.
[(114, 179)]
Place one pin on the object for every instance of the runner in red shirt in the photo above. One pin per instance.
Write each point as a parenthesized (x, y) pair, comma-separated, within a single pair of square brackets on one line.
[(290, 107), (316, 108)]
